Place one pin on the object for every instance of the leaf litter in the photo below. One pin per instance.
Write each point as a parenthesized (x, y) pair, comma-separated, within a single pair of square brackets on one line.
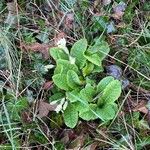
[(77, 141)]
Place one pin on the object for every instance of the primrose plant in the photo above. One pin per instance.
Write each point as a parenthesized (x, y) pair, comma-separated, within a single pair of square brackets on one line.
[(84, 98)]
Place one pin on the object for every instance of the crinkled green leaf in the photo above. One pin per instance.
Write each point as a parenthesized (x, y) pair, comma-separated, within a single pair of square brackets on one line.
[(107, 112), (58, 69), (72, 98), (97, 69), (88, 93), (88, 111), (88, 114), (70, 116), (94, 58), (103, 50), (61, 81), (72, 79), (90, 81), (103, 83), (58, 53), (78, 50), (63, 66), (111, 92), (88, 69), (94, 48), (80, 105)]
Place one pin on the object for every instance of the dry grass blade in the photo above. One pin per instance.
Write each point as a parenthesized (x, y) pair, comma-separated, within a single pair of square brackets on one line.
[(12, 13)]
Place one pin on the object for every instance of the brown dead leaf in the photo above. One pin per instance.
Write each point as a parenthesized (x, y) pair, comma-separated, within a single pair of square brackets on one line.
[(141, 107), (26, 117), (44, 108), (48, 85), (65, 139), (12, 12), (77, 143), (37, 47), (68, 135)]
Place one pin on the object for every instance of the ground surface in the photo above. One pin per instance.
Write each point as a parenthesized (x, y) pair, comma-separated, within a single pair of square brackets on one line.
[(28, 117)]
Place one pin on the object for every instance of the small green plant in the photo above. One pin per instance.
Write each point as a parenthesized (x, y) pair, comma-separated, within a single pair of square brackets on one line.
[(84, 98)]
